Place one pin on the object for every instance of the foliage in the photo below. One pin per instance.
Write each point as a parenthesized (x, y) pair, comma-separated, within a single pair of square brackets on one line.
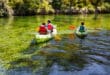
[(33, 7), (5, 9), (25, 7), (56, 4), (45, 7)]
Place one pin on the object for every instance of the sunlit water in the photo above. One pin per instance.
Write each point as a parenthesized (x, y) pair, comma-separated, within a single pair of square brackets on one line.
[(65, 54)]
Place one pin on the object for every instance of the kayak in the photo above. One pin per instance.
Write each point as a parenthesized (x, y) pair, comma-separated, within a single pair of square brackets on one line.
[(81, 35), (40, 38)]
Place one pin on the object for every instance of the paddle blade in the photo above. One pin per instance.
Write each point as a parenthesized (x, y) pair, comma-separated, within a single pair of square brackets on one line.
[(57, 38), (37, 29), (72, 27)]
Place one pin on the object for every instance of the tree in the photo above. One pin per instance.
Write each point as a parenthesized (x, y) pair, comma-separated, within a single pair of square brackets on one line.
[(45, 7), (56, 4), (33, 7), (71, 5), (25, 7), (95, 4), (5, 9)]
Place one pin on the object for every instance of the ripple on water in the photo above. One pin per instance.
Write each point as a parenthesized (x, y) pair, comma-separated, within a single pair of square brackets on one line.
[(2, 69), (91, 69), (95, 50)]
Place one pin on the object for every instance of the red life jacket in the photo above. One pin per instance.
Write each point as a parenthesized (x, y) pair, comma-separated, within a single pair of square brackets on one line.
[(50, 27), (42, 29)]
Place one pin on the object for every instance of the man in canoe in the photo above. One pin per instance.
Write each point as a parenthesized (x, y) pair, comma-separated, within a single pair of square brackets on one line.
[(81, 31), (42, 29), (82, 27), (49, 26)]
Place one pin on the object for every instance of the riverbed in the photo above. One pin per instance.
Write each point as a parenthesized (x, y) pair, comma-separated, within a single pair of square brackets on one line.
[(65, 54)]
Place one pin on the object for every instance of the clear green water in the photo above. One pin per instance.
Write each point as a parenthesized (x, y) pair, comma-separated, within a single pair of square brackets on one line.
[(64, 55)]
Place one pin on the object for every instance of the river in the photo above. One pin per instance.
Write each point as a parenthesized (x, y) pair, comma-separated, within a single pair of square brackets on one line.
[(65, 54)]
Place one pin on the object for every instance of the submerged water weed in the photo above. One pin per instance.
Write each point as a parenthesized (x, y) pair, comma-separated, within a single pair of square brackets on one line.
[(15, 40)]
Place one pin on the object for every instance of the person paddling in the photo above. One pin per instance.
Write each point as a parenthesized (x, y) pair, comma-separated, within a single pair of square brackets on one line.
[(49, 26), (42, 29), (82, 27)]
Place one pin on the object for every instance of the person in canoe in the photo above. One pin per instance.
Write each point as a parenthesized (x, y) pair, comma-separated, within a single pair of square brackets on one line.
[(49, 26), (81, 31), (82, 27), (43, 29)]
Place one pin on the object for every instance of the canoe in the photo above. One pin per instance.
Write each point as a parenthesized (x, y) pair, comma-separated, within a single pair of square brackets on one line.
[(44, 38), (81, 35)]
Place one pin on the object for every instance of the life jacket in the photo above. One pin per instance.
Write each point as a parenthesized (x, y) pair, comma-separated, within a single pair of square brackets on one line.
[(42, 29), (50, 27), (82, 29)]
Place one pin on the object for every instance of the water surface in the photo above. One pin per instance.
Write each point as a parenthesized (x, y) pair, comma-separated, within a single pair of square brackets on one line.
[(65, 54)]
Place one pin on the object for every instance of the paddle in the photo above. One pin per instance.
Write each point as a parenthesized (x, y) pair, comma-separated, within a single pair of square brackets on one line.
[(57, 37), (37, 29), (72, 27)]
